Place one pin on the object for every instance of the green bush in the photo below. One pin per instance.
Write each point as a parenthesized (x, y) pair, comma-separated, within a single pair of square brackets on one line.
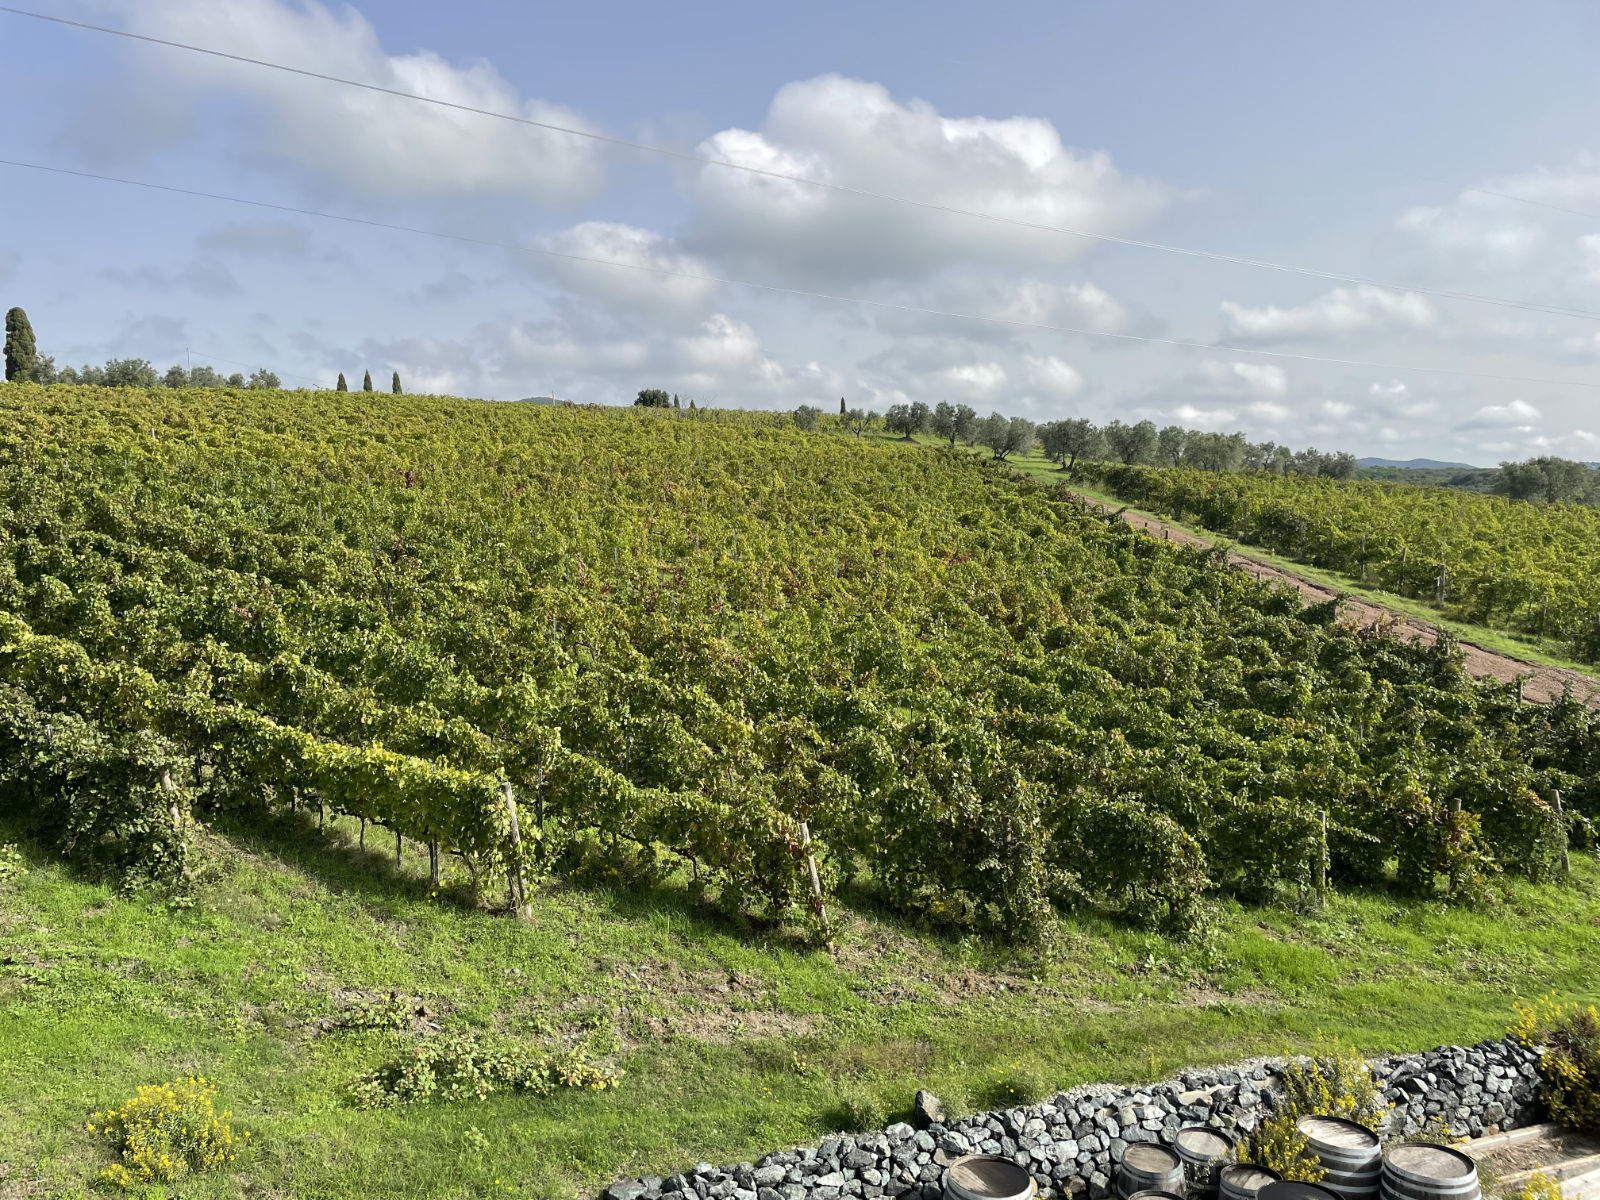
[(166, 1133), (858, 1110), (1569, 1059), (466, 1066)]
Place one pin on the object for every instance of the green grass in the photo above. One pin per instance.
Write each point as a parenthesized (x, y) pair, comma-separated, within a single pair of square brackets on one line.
[(733, 1041)]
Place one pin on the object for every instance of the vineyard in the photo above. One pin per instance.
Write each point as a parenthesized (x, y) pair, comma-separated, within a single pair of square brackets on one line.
[(708, 645), (1530, 568)]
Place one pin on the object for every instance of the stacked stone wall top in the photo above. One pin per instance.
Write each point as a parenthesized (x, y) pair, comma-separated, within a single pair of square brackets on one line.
[(1073, 1143)]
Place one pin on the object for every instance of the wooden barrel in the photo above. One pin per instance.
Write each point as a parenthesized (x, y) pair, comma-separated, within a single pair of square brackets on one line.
[(1293, 1189), (1147, 1167), (987, 1177), (1202, 1149), (1350, 1154), (1241, 1181), (1424, 1171)]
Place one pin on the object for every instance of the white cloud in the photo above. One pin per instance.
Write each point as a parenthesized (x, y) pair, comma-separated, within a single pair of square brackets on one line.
[(1518, 415), (979, 381), (855, 133), (1491, 231), (1213, 420), (649, 281), (362, 142), (1478, 231), (1261, 378), (1362, 309), (1054, 376), (1589, 251)]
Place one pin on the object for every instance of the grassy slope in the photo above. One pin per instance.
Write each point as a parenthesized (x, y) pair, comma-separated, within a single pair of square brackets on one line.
[(1500, 641), (100, 993)]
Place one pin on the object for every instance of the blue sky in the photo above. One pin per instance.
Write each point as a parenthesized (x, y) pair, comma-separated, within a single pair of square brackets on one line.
[(1345, 138)]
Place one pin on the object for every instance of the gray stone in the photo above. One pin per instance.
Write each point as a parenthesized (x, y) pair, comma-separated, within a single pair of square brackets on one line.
[(626, 1189), (770, 1176), (927, 1109), (833, 1179)]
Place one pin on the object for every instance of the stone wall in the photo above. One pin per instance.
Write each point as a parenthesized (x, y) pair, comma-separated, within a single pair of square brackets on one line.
[(1073, 1142)]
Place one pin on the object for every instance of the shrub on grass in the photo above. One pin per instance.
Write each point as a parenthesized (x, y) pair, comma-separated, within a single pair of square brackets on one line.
[(12, 865), (466, 1066), (166, 1133), (858, 1110), (1568, 1036)]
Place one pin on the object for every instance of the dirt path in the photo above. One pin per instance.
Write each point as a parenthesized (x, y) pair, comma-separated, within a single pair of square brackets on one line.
[(1541, 682)]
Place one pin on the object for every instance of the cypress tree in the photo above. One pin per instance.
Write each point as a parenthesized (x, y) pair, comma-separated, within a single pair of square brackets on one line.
[(22, 353), (341, 386), (675, 403), (395, 386), (841, 406), (366, 383)]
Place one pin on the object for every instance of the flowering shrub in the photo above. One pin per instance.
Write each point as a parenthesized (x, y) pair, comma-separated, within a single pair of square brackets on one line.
[(466, 1066), (1336, 1083), (1569, 1060), (165, 1133)]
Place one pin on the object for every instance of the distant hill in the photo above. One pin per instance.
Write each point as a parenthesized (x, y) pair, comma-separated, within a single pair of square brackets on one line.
[(1416, 464)]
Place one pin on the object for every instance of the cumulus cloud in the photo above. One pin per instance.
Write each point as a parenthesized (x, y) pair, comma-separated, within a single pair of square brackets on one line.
[(1053, 376), (1489, 229), (651, 279), (1265, 379), (1518, 416), (1343, 311), (855, 133), (355, 141)]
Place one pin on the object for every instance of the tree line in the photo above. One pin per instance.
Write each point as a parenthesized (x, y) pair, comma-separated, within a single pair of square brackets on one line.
[(24, 364), (1066, 441)]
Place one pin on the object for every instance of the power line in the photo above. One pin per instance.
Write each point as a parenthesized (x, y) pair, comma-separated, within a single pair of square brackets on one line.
[(778, 289), (808, 181), (1536, 203)]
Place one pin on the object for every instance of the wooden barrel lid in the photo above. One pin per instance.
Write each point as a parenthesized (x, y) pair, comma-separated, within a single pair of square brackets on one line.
[(1248, 1177), (1424, 1160), (1202, 1142), (1150, 1158), (1337, 1133), (987, 1175)]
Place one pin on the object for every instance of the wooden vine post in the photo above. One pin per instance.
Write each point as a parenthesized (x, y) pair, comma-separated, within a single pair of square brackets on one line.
[(1322, 861), (172, 800), (816, 885), (1566, 848), (514, 884)]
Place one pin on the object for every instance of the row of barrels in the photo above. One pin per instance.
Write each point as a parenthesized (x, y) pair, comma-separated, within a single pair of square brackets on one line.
[(1355, 1164)]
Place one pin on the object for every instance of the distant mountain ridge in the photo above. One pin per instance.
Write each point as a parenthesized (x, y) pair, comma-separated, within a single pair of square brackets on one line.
[(1417, 464)]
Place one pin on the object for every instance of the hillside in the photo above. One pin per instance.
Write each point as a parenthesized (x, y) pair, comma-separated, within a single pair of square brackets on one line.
[(279, 659), (1533, 569)]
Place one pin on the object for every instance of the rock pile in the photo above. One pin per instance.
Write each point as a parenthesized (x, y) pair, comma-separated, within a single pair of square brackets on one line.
[(1073, 1143)]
